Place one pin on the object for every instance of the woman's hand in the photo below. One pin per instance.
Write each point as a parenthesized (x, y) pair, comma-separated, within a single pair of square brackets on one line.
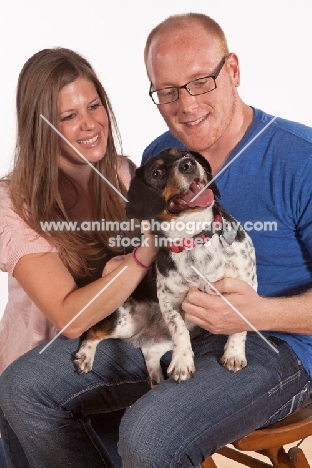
[(211, 312), (147, 252), (113, 263)]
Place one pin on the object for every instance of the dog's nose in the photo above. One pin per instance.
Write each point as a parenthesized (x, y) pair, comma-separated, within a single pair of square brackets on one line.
[(187, 165)]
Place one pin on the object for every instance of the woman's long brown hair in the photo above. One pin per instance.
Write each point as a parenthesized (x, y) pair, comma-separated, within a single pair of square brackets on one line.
[(36, 179)]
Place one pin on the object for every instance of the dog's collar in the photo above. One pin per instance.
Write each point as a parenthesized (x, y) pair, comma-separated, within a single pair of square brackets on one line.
[(218, 226)]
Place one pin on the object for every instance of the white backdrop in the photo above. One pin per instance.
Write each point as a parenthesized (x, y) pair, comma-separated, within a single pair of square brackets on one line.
[(272, 38)]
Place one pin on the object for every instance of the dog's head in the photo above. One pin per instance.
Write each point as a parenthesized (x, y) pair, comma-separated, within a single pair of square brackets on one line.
[(166, 185)]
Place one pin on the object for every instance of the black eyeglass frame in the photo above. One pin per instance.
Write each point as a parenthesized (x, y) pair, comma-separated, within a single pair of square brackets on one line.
[(214, 77)]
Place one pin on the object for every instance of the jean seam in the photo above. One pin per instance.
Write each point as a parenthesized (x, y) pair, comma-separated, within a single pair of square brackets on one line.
[(99, 385), (292, 404), (284, 382), (273, 416), (295, 398), (92, 442)]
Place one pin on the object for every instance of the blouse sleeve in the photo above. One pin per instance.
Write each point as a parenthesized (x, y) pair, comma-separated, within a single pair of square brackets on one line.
[(126, 170), (16, 237)]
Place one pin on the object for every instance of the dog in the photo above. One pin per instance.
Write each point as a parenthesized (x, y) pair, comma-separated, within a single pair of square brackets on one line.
[(175, 190)]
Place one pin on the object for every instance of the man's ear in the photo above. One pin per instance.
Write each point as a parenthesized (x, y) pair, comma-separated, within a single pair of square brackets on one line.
[(143, 201), (233, 67), (206, 166)]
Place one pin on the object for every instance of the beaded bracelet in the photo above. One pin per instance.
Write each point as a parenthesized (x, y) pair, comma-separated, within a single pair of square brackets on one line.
[(138, 262)]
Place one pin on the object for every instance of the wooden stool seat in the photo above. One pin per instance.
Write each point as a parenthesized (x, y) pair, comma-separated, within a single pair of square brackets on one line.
[(270, 440)]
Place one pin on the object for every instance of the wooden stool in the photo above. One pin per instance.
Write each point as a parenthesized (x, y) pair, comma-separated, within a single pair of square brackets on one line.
[(270, 440)]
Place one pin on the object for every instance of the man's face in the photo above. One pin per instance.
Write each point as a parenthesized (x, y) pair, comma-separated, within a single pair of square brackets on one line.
[(182, 56)]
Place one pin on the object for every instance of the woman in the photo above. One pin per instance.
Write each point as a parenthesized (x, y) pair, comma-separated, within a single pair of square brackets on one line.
[(54, 273)]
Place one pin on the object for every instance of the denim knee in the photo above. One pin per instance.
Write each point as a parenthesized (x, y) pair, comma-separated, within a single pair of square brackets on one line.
[(144, 443), (137, 446), (21, 386), (12, 386)]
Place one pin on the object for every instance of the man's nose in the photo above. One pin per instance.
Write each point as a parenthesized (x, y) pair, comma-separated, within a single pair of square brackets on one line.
[(187, 102)]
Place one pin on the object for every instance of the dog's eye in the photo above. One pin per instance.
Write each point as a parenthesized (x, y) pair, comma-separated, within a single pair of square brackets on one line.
[(157, 173)]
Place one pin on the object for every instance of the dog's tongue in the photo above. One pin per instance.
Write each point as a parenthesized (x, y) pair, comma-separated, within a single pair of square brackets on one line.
[(206, 198)]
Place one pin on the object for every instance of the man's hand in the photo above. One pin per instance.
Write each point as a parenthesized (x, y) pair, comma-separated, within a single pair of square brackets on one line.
[(211, 312)]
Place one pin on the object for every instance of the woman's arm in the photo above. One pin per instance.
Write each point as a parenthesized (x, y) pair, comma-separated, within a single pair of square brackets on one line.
[(51, 287)]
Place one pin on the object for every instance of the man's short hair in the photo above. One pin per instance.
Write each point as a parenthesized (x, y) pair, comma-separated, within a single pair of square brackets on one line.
[(184, 20)]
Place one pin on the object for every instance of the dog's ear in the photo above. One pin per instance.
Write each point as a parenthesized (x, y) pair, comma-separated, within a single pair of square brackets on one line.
[(143, 201), (206, 166)]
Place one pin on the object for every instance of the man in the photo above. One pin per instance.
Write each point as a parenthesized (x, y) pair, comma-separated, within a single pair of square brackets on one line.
[(262, 168)]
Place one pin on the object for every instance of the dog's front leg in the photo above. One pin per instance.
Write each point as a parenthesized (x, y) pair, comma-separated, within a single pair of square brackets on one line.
[(152, 354), (234, 357), (182, 363), (125, 323)]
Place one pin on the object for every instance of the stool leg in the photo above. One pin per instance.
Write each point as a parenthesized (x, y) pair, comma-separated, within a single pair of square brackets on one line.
[(209, 463), (278, 457), (297, 458)]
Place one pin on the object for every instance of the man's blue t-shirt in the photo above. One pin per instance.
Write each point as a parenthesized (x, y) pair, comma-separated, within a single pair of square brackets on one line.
[(268, 189)]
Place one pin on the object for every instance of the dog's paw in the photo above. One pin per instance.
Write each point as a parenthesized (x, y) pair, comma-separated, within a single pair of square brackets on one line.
[(233, 363), (83, 361), (182, 366), (234, 357), (155, 376)]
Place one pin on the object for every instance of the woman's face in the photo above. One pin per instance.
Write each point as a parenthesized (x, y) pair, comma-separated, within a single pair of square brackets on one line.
[(83, 121)]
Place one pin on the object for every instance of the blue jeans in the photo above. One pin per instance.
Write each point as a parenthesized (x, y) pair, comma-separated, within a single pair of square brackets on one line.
[(105, 425), (2, 459), (48, 405)]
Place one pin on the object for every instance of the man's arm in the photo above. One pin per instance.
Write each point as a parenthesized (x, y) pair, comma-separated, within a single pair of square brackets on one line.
[(211, 312)]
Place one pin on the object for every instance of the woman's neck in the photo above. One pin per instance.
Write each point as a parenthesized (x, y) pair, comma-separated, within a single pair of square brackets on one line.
[(80, 173), (76, 194)]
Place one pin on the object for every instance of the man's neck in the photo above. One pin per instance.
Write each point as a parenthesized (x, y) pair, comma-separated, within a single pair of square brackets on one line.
[(221, 149)]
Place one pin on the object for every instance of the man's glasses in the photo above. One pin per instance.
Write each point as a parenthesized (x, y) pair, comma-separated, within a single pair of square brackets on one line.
[(200, 86)]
